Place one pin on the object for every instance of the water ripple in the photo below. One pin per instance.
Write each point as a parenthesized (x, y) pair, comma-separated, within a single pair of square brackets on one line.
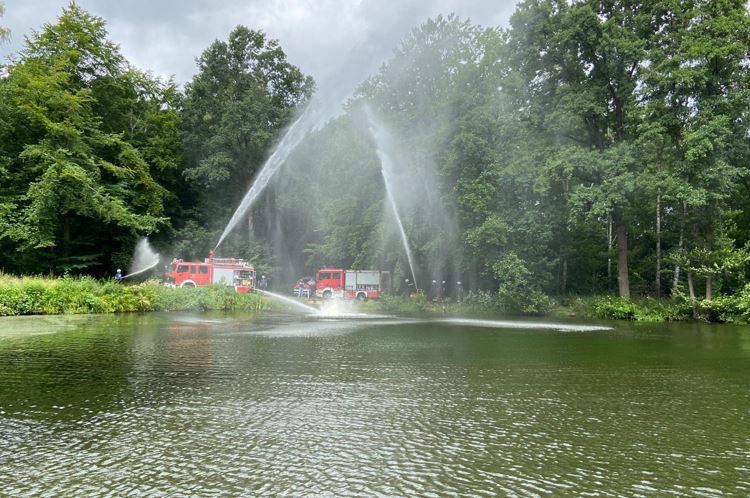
[(151, 408)]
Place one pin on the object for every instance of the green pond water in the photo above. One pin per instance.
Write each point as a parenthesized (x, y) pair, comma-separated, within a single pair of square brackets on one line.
[(235, 405)]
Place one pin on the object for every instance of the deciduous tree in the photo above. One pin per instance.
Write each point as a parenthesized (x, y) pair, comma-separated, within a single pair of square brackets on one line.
[(77, 185)]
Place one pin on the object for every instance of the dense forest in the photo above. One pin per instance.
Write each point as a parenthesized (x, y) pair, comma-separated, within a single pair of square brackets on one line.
[(590, 147)]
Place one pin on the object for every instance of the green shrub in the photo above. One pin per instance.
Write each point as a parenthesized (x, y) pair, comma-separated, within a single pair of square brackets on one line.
[(69, 295), (613, 308), (742, 304), (719, 310), (10, 301), (399, 304), (481, 302), (74, 295), (519, 291)]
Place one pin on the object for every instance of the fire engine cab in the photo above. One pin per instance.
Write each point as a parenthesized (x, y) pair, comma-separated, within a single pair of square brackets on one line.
[(233, 272), (350, 284)]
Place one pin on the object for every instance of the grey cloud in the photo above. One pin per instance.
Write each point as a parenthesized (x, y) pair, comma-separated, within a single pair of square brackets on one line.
[(338, 42)]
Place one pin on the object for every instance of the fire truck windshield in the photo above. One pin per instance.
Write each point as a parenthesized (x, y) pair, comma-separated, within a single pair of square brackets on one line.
[(172, 268)]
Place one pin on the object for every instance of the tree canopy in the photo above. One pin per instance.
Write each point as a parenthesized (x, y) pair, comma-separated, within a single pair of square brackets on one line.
[(233, 110), (79, 127)]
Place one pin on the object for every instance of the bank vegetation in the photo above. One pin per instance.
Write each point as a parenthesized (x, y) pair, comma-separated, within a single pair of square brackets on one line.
[(82, 295), (723, 309)]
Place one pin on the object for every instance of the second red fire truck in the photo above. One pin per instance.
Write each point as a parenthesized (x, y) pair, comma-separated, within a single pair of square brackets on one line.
[(350, 284)]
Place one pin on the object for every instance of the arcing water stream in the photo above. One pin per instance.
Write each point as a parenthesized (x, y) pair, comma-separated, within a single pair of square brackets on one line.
[(382, 142), (144, 258), (401, 230), (289, 300), (291, 139)]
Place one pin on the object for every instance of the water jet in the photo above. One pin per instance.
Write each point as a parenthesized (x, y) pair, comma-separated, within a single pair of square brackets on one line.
[(144, 258), (289, 300), (383, 141)]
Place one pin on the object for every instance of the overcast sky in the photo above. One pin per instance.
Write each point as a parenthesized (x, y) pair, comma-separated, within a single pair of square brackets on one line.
[(332, 40)]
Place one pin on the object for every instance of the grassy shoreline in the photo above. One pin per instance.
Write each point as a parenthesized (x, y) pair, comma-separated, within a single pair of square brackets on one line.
[(34, 295), (722, 309), (83, 295)]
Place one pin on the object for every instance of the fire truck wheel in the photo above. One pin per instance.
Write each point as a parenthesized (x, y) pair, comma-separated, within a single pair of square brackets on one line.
[(361, 296), (327, 295), (188, 285)]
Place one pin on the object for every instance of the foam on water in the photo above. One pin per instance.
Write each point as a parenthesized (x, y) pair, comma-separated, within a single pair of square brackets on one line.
[(25, 326), (312, 328), (195, 319), (510, 324), (338, 308), (351, 315)]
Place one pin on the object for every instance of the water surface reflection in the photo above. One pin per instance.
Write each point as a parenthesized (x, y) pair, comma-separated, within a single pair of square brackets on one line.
[(228, 405)]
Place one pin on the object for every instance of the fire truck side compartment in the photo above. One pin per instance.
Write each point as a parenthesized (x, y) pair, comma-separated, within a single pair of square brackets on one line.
[(362, 280)]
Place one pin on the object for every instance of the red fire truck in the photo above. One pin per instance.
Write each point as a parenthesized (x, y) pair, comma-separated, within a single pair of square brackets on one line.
[(221, 271), (350, 284)]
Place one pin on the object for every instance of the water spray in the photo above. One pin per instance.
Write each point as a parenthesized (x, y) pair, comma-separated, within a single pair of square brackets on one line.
[(139, 271), (144, 258), (289, 300), (382, 139), (291, 139)]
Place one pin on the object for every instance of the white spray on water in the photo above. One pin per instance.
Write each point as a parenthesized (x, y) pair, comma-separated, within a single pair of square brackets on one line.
[(339, 308), (517, 324), (382, 141), (144, 258), (289, 300)]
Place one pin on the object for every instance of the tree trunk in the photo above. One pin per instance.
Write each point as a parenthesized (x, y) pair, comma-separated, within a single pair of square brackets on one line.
[(609, 252), (66, 228), (658, 244), (709, 287), (66, 235), (691, 292), (676, 280), (564, 277), (623, 281), (691, 288)]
